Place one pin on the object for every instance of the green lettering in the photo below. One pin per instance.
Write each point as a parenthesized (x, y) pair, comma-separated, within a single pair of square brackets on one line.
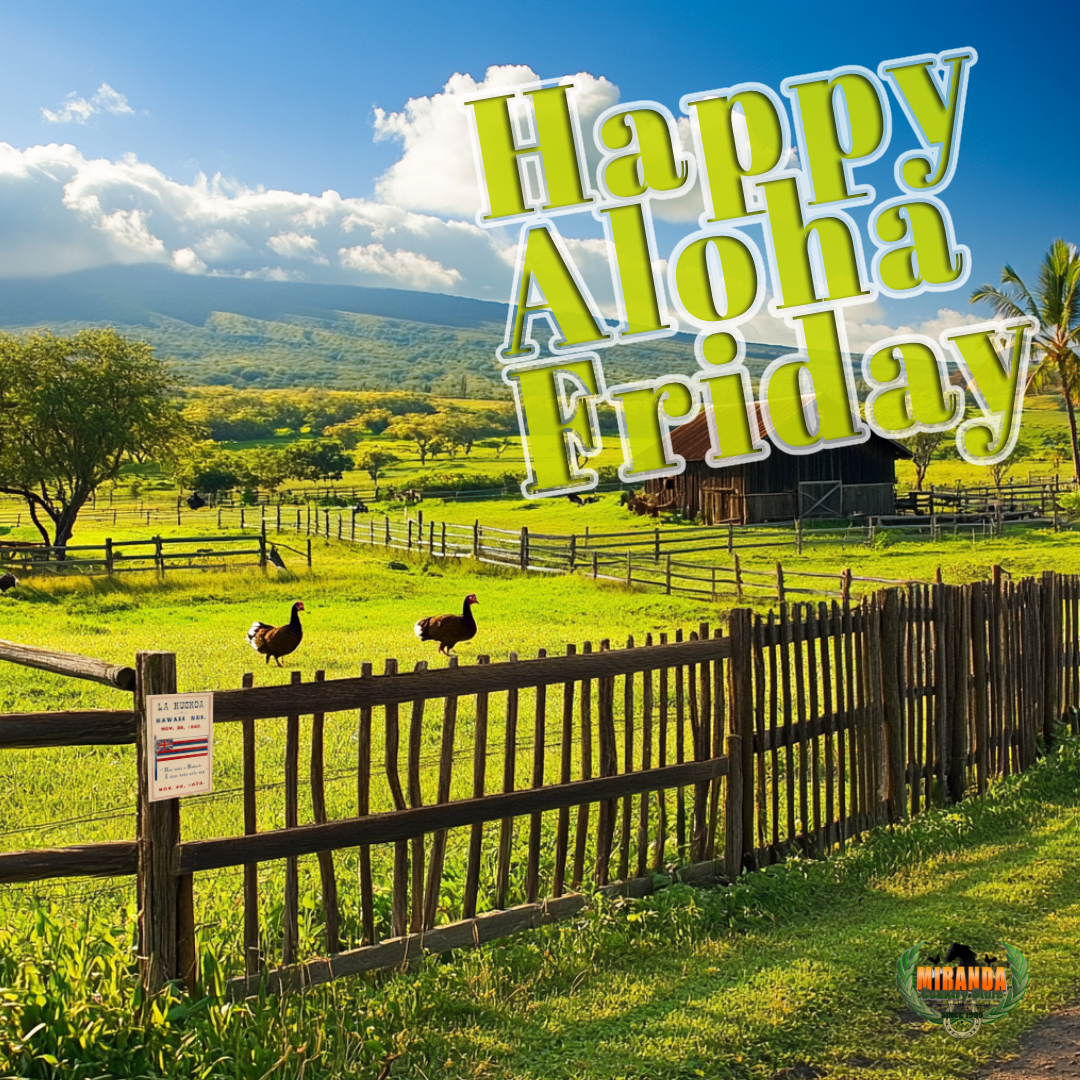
[(808, 399), (917, 251), (555, 145), (843, 119), (652, 161), (793, 271), (732, 418), (641, 304), (548, 285), (997, 381), (716, 278), (909, 388), (935, 111), (720, 120), (555, 429), (647, 411)]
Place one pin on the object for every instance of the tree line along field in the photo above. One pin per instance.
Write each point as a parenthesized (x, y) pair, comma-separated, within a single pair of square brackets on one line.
[(260, 417)]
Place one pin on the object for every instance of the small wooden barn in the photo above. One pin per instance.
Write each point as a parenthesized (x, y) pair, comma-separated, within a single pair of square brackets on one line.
[(844, 482)]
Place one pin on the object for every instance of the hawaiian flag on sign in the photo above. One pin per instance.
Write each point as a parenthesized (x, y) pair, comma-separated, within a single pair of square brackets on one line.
[(178, 749)]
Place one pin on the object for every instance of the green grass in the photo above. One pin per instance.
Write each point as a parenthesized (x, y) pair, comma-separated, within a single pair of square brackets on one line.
[(794, 965), (791, 966)]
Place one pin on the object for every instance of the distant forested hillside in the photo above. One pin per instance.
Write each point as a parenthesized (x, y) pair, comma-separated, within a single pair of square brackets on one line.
[(264, 334)]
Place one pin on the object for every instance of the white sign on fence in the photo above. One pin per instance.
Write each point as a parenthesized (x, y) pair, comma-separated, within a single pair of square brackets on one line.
[(179, 745)]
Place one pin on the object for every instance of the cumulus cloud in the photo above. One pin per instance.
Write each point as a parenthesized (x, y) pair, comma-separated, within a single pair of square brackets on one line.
[(75, 109), (62, 211), (435, 172), (405, 266)]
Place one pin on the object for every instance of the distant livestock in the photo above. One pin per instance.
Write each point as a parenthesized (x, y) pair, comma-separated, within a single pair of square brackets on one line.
[(8, 581)]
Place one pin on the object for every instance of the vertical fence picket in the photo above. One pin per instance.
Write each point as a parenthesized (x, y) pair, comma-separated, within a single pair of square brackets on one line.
[(476, 833), (506, 826), (605, 738), (627, 767), (291, 913), (416, 799), (829, 722), (646, 763), (363, 808), (761, 838), (252, 956), (582, 834), (438, 841), (566, 752), (662, 760), (814, 724), (532, 875), (798, 629), (327, 877), (680, 752), (399, 900)]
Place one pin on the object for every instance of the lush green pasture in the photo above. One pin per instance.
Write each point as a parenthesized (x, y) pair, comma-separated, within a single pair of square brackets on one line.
[(644, 990), (793, 967)]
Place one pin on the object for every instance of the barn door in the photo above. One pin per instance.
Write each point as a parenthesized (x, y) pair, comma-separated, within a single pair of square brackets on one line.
[(821, 499)]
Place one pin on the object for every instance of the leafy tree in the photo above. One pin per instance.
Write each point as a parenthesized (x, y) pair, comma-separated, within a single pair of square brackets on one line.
[(1056, 447), (72, 409), (375, 420), (374, 462), (316, 459), (498, 445), (348, 434), (209, 469), (923, 446), (421, 430), (266, 467), (999, 471), (1056, 304)]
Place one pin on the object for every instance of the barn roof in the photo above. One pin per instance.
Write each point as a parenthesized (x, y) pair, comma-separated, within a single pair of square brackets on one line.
[(691, 441)]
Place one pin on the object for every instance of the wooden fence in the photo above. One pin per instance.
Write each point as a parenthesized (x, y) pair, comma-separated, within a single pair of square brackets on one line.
[(153, 553), (562, 775), (646, 558)]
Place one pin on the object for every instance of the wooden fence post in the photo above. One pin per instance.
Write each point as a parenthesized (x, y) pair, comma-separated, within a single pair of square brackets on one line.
[(108, 555), (740, 782), (277, 526), (309, 553), (979, 641), (262, 545), (159, 556), (798, 535), (629, 569), (733, 830), (476, 539), (779, 583), (158, 826), (667, 574), (891, 640), (738, 578), (524, 553)]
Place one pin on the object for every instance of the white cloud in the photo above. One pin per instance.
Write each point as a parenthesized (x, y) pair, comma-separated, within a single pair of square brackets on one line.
[(294, 245), (405, 266), (78, 110), (435, 172), (61, 211), (187, 262)]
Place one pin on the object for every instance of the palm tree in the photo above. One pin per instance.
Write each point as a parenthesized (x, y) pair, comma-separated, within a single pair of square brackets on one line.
[(1056, 304)]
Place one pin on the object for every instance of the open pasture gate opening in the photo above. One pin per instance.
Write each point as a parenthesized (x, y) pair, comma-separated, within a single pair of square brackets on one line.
[(491, 798)]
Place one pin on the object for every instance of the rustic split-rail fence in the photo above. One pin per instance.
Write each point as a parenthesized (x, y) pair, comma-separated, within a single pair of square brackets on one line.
[(700, 754)]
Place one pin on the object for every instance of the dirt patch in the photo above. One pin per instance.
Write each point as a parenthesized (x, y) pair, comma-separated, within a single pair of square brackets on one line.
[(1050, 1049)]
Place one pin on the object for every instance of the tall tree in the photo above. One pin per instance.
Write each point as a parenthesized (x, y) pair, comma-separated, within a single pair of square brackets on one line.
[(1056, 304), (72, 409), (923, 446)]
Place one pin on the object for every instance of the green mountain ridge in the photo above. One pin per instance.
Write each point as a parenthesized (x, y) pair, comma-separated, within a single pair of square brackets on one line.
[(276, 335)]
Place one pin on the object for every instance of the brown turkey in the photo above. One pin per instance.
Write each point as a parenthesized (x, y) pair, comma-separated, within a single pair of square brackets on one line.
[(449, 630), (277, 641)]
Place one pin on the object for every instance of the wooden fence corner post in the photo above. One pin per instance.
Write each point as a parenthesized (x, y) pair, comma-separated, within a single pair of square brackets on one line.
[(158, 823)]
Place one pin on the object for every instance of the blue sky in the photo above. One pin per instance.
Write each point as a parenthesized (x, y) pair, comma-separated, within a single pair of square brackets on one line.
[(282, 97)]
